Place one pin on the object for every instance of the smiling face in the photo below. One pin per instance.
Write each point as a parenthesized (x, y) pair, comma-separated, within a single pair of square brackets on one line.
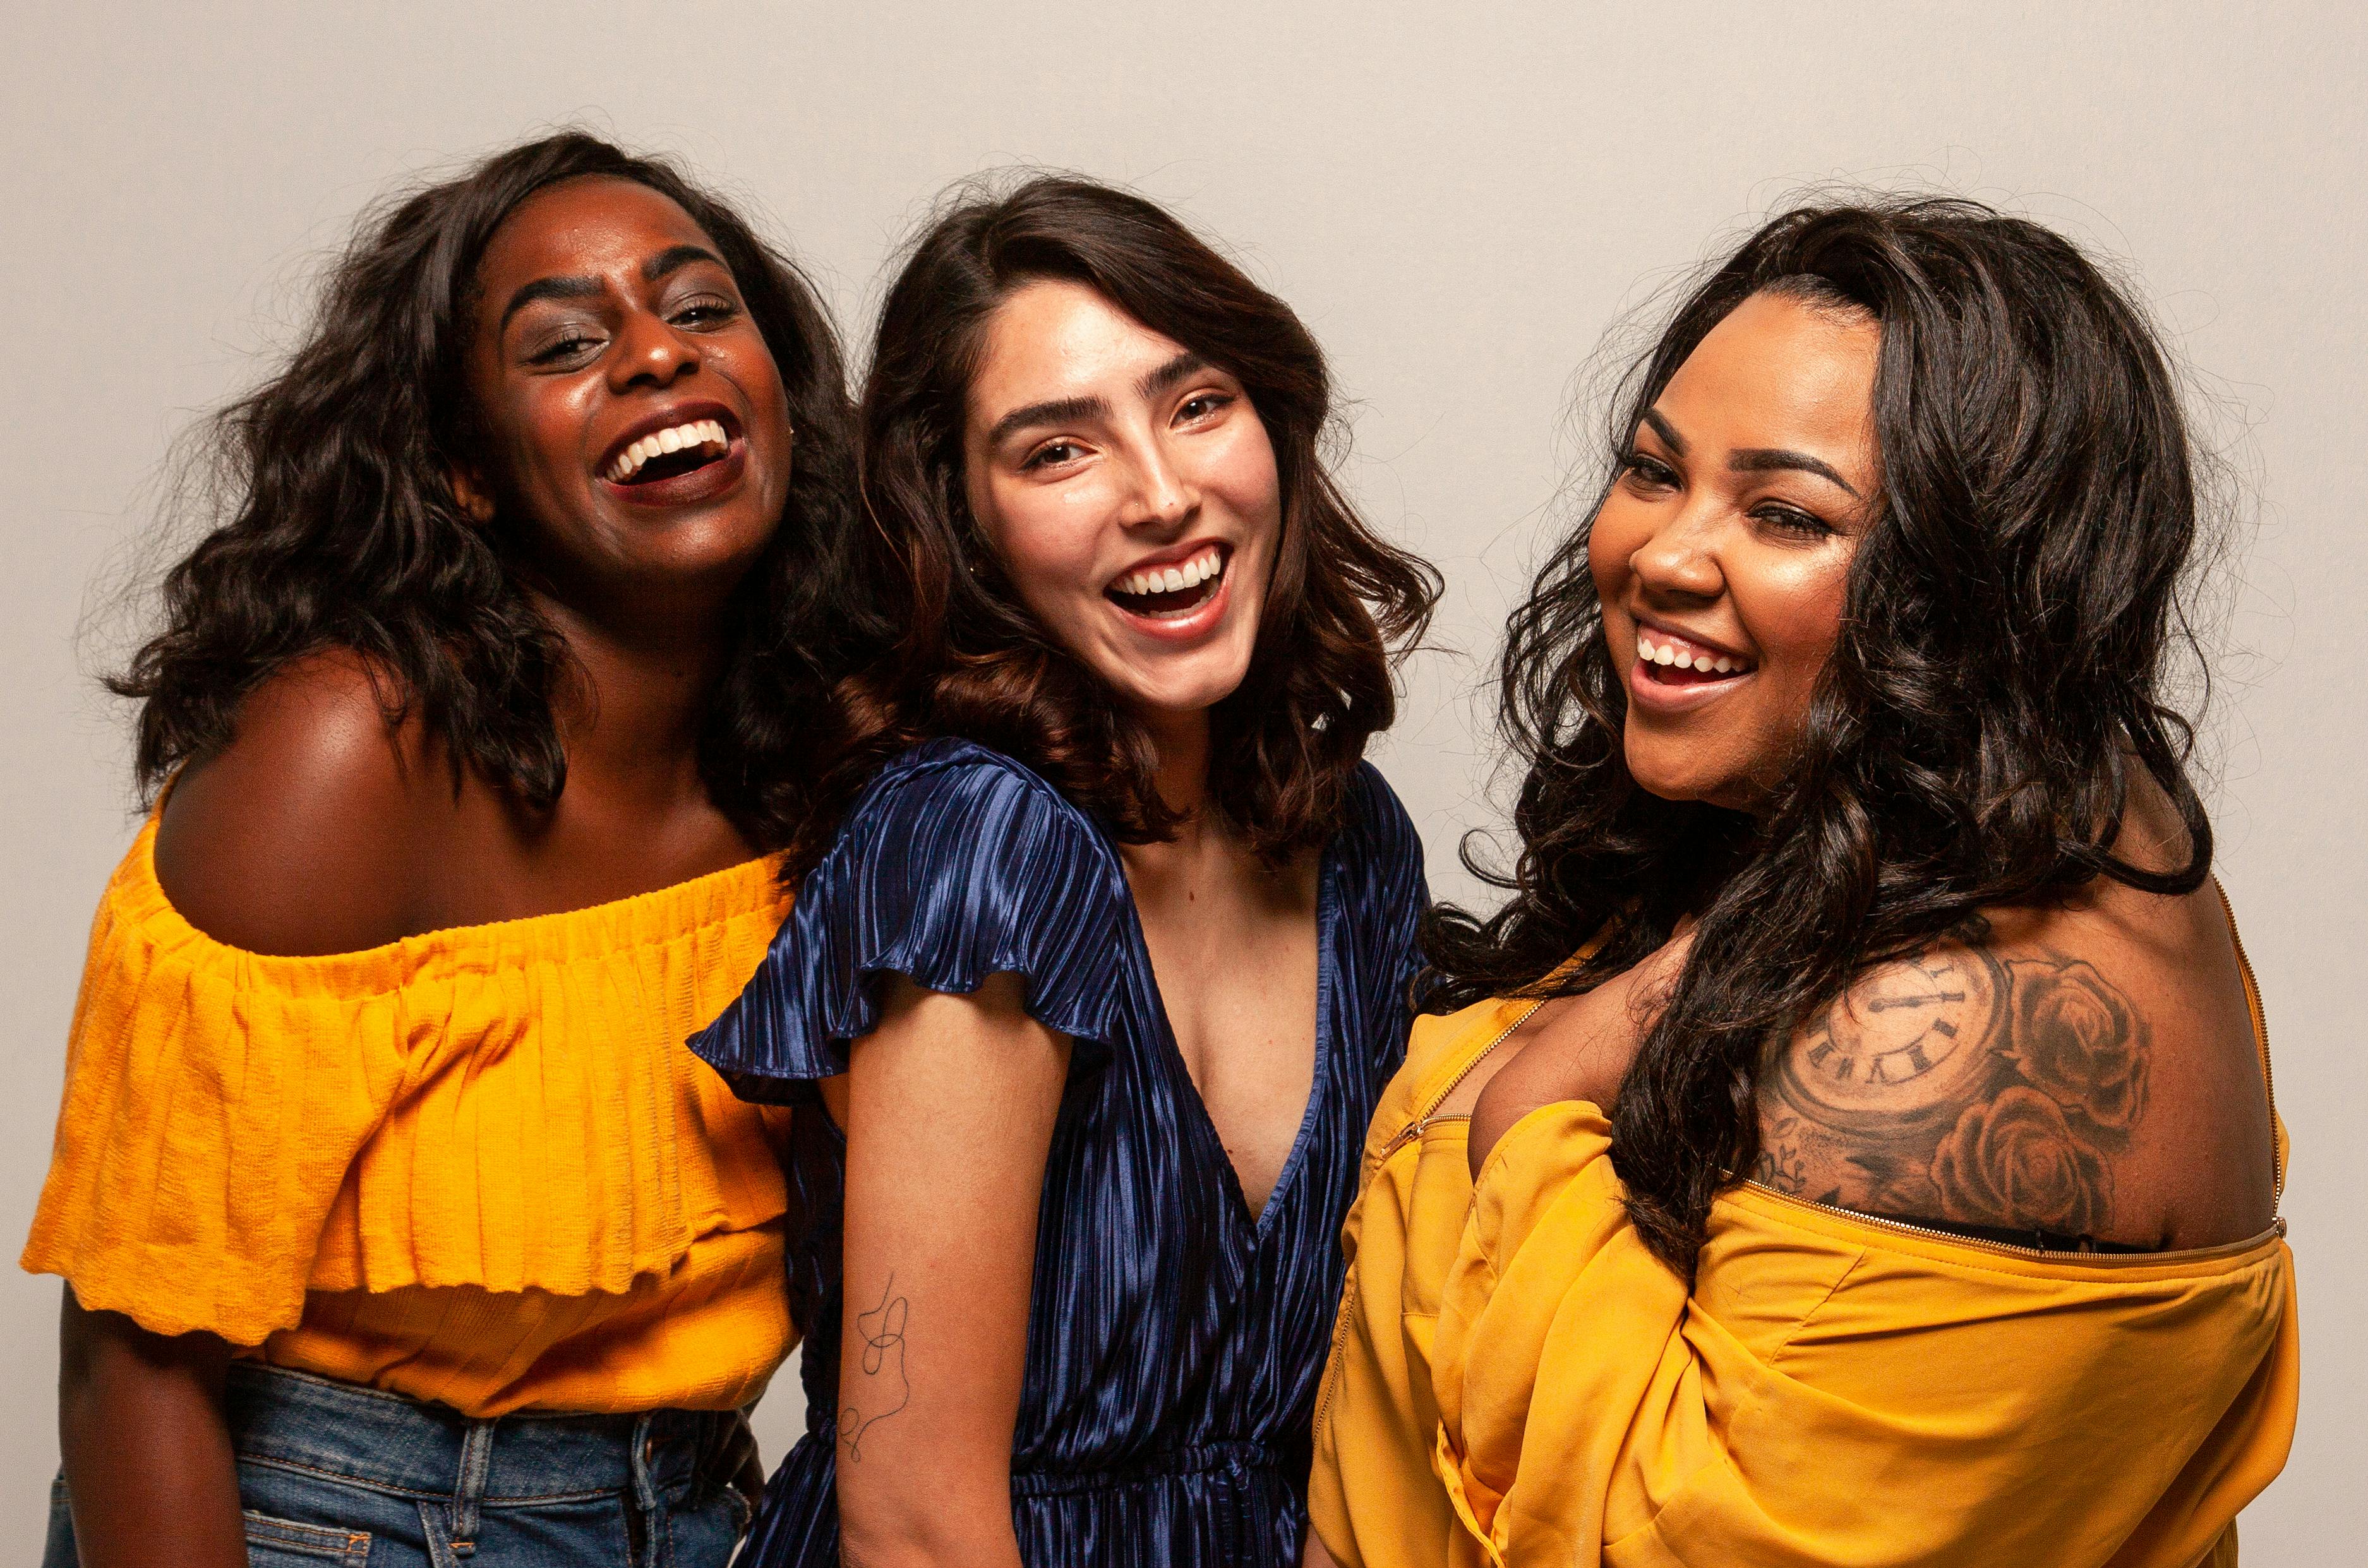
[(634, 423), (1723, 552), (1129, 490)]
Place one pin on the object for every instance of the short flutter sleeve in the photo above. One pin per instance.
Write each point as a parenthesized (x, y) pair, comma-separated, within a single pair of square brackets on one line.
[(957, 864)]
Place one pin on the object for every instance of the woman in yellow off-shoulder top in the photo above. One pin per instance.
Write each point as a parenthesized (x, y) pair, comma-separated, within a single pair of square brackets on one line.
[(397, 1223), (1854, 1140)]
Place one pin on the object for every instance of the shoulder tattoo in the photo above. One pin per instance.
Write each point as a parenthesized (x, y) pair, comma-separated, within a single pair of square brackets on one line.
[(1963, 1088)]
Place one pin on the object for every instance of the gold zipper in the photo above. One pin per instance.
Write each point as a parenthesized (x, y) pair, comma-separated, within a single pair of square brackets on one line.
[(2261, 1013), (1421, 1123), (2277, 1228)]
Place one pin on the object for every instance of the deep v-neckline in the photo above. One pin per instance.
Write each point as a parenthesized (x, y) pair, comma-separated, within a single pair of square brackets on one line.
[(1327, 909)]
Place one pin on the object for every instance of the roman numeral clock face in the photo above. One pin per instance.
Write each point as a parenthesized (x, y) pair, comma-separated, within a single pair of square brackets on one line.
[(1907, 1038)]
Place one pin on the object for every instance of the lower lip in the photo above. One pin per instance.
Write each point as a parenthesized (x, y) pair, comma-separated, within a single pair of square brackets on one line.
[(1658, 697), (688, 489), (1199, 623)]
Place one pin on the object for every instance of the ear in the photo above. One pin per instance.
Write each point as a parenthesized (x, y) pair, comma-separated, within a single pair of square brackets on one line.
[(476, 501)]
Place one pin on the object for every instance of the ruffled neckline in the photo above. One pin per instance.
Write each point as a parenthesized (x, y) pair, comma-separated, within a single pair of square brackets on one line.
[(595, 931)]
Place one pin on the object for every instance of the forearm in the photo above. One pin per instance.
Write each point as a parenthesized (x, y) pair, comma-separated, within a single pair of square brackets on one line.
[(147, 1452)]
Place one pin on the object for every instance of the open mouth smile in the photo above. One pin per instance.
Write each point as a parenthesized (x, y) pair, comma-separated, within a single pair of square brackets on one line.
[(693, 455), (1673, 673), (1170, 592)]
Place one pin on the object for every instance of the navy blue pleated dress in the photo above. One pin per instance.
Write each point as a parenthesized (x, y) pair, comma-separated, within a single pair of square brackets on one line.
[(1175, 1339)]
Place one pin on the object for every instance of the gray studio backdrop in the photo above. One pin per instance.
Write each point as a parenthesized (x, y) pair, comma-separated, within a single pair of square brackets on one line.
[(1459, 202)]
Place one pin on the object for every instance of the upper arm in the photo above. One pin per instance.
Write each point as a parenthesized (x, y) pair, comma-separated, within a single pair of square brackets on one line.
[(2061, 1084), (296, 836), (952, 1103)]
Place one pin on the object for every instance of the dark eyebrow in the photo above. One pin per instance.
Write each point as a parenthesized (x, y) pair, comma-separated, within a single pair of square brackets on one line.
[(548, 289), (1764, 459), (1666, 431), (1170, 373), (671, 259), (675, 258), (1060, 411)]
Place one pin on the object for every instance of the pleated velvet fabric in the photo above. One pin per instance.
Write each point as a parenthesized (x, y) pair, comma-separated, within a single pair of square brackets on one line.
[(1174, 1338)]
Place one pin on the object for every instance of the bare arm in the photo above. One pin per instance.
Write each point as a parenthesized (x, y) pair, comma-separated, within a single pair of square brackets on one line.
[(1313, 1554), (950, 1106), (148, 1455)]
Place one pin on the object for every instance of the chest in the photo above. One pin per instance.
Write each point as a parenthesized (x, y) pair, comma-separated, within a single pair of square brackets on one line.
[(1237, 965)]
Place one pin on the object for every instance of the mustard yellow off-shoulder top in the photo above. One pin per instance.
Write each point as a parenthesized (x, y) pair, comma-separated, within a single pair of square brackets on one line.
[(1516, 1379), (476, 1166)]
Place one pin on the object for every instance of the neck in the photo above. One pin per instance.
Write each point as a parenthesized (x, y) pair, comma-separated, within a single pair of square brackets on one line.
[(1182, 742), (633, 715)]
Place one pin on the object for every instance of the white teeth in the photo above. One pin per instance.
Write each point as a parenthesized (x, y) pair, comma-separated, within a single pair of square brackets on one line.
[(1204, 568), (697, 432), (1669, 655)]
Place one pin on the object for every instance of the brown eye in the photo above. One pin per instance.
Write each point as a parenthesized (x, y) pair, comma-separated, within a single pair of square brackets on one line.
[(1051, 454), (570, 346), (1793, 520), (1647, 472)]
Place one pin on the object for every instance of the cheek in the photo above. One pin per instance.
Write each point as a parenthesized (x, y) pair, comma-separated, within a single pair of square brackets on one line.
[(1612, 540), (1794, 614), (1239, 469), (1046, 549)]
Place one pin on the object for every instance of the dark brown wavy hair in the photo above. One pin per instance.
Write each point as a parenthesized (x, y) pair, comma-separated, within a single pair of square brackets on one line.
[(333, 523), (966, 659), (2017, 614)]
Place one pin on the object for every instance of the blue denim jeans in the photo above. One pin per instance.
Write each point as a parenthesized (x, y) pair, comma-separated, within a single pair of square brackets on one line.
[(330, 1474)]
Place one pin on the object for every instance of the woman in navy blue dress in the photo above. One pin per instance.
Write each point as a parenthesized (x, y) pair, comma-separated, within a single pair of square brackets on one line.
[(1110, 959)]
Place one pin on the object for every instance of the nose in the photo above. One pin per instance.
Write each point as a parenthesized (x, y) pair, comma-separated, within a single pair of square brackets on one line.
[(1680, 562), (650, 350), (1164, 496)]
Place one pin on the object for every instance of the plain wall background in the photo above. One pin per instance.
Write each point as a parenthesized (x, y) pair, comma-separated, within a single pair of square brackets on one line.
[(1459, 203)]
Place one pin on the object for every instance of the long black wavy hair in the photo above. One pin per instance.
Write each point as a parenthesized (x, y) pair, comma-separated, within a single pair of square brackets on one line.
[(2010, 646), (334, 523)]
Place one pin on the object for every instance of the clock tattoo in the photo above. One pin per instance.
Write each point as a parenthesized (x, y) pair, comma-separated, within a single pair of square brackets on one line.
[(1963, 1087), (1907, 1041)]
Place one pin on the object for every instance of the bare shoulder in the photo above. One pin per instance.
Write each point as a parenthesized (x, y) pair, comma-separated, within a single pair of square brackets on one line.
[(297, 837), (2082, 1072)]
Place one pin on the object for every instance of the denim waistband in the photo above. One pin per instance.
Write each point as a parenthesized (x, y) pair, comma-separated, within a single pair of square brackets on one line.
[(390, 1444)]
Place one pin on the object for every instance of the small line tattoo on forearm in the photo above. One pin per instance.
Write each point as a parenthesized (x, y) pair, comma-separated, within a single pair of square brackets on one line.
[(882, 1371)]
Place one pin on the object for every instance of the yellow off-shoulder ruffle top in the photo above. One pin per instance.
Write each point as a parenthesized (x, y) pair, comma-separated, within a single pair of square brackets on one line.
[(476, 1166), (1516, 1379)]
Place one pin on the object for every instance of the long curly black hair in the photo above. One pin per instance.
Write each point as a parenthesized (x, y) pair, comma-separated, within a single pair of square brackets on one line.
[(2016, 622), (334, 524)]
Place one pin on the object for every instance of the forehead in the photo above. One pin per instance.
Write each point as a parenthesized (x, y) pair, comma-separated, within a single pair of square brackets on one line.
[(582, 228), (1777, 372), (1054, 339)]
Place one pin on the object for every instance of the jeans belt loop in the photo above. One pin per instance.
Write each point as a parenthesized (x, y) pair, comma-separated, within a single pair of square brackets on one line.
[(476, 1464)]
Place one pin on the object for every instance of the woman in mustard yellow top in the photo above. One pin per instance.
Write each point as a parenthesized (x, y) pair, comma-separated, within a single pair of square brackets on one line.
[(397, 1224), (1854, 1143)]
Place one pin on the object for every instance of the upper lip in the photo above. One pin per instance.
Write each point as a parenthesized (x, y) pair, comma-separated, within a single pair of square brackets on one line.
[(1696, 638), (1175, 555), (666, 418)]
